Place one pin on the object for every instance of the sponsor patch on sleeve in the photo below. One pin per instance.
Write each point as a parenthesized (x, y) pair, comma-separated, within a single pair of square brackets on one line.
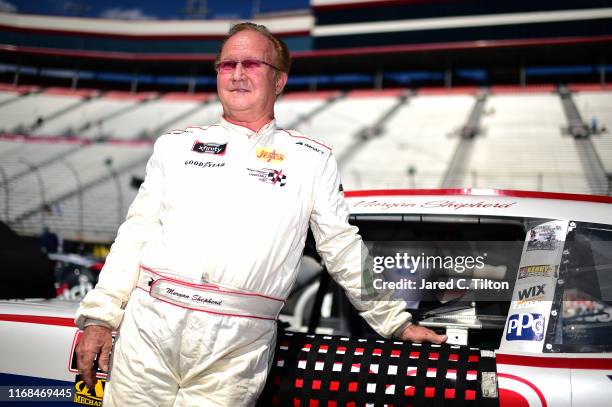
[(309, 147)]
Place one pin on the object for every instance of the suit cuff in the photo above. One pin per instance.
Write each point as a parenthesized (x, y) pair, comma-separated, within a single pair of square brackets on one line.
[(398, 332)]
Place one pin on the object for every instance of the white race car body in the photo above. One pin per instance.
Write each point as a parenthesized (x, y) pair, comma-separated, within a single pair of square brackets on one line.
[(538, 364)]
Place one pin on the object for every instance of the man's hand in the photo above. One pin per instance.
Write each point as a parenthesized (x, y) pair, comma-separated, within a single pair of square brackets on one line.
[(415, 333), (96, 341)]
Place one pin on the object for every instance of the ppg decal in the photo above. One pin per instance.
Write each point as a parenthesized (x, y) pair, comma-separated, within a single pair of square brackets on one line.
[(525, 327)]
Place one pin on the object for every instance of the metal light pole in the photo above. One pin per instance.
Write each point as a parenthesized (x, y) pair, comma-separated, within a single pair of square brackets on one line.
[(6, 194), (79, 194), (109, 165), (41, 186), (412, 170)]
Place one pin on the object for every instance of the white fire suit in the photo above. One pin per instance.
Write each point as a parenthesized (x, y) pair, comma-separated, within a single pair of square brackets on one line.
[(225, 205)]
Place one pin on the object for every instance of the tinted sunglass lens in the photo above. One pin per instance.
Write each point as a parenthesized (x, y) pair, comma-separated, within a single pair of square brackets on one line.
[(227, 65), (250, 64)]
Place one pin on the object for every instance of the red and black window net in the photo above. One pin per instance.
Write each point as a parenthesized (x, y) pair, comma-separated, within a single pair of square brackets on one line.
[(326, 371)]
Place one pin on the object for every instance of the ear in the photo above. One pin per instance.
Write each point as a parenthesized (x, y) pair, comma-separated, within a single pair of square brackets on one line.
[(281, 81)]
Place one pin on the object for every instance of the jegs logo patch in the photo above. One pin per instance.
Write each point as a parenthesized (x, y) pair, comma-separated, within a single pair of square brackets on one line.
[(269, 155), (525, 327), (209, 148)]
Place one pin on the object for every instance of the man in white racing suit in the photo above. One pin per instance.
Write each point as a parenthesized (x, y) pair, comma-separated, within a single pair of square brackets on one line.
[(212, 244)]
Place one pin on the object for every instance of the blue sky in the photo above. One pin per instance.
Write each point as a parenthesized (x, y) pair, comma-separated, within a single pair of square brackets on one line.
[(150, 9)]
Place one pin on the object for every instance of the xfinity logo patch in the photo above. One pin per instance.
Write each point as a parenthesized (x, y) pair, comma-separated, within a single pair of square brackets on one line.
[(525, 327), (209, 148)]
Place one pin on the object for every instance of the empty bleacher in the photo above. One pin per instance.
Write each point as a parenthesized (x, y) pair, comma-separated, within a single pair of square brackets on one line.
[(523, 146), (103, 209), (597, 104), (31, 110), (208, 114), (421, 135), (39, 194), (6, 96), (18, 153), (382, 139), (294, 108), (105, 119), (340, 123)]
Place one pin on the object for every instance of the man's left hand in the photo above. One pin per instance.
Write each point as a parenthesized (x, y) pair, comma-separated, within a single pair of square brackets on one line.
[(416, 333)]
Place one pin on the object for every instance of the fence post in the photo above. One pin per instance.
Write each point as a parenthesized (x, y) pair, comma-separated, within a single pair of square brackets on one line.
[(540, 181), (41, 186), (79, 195), (6, 197), (109, 165)]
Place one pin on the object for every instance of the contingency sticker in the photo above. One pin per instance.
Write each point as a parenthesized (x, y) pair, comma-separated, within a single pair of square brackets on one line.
[(489, 384), (86, 396)]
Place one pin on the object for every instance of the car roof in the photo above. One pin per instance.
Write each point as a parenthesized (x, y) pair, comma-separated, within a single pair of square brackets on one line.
[(482, 202)]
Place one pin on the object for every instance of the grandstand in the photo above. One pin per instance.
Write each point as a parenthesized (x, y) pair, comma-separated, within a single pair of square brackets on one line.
[(438, 104)]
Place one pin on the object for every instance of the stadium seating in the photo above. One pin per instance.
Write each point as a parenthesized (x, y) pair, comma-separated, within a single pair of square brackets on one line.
[(208, 114), (31, 110), (598, 105), (340, 123), (18, 154), (53, 181), (523, 147), (388, 139), (421, 135), (297, 107), (103, 210)]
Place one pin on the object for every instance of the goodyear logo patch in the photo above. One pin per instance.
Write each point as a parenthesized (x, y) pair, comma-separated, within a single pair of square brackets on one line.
[(269, 155), (84, 396)]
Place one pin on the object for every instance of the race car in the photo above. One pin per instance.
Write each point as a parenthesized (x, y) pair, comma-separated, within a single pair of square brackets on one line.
[(520, 278)]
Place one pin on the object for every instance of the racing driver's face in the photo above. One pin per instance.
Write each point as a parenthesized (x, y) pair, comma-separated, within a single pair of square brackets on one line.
[(248, 90)]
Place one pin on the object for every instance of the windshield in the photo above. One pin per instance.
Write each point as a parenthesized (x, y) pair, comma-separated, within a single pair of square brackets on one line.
[(581, 317)]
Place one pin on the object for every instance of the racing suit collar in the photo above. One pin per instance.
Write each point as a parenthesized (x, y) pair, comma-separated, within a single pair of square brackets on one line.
[(266, 129)]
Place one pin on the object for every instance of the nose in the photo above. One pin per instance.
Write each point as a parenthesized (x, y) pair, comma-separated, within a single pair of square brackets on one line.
[(238, 72)]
